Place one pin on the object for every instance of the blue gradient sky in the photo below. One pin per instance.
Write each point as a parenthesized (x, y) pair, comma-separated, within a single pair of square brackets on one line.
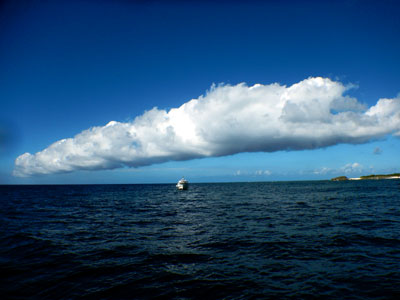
[(66, 66)]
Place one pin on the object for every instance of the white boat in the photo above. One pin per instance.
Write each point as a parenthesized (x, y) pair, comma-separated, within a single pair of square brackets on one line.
[(182, 184)]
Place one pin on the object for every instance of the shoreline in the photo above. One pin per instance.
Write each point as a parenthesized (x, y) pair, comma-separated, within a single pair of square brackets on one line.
[(368, 177)]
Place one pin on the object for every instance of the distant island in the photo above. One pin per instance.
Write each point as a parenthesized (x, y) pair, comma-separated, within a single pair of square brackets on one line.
[(368, 177)]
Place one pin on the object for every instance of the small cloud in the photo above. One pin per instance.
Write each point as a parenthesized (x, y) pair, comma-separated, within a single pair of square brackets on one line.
[(263, 172), (322, 171), (378, 151), (237, 173), (352, 168)]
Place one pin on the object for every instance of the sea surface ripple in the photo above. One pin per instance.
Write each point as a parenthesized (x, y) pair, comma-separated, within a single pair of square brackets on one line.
[(272, 240)]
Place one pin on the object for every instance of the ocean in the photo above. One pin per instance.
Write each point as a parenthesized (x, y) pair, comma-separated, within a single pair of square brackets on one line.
[(264, 240)]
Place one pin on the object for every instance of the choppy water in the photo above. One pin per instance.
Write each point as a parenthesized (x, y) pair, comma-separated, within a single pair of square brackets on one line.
[(215, 241)]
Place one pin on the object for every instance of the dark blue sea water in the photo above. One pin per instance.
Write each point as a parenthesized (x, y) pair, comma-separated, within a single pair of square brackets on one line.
[(280, 240)]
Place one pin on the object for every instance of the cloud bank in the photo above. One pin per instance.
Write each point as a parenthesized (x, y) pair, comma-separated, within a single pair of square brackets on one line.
[(313, 113)]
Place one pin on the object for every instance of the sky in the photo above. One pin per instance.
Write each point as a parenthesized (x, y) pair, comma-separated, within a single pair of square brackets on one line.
[(216, 91)]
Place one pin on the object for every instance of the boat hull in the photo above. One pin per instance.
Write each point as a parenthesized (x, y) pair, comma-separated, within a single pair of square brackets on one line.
[(182, 185)]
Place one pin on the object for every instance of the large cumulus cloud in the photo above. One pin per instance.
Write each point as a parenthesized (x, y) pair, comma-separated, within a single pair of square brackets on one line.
[(313, 113)]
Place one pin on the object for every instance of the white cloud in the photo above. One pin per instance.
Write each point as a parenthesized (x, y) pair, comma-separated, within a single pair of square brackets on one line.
[(313, 113), (252, 173), (352, 168), (322, 171), (263, 172)]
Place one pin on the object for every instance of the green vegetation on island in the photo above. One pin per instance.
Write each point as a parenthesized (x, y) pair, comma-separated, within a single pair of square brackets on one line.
[(340, 178), (389, 176), (369, 177)]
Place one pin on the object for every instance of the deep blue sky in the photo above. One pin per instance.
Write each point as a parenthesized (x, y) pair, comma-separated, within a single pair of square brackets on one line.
[(66, 66)]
